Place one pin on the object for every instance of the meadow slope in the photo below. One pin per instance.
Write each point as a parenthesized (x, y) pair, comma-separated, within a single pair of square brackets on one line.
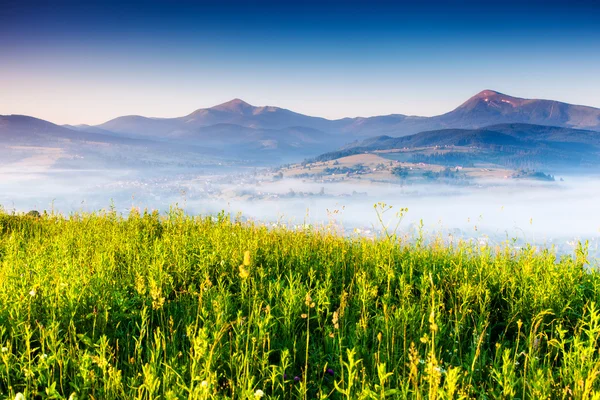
[(171, 307)]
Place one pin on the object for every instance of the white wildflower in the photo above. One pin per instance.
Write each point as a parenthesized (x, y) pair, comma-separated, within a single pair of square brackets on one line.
[(259, 393)]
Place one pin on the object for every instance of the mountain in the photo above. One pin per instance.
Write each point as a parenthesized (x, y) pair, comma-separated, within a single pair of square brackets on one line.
[(505, 144), (236, 127), (83, 146), (25, 138), (485, 108), (234, 112), (491, 107), (22, 129), (271, 135)]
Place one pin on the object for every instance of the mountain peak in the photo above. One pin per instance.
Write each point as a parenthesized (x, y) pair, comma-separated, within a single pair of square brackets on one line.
[(491, 99), (487, 93), (235, 105)]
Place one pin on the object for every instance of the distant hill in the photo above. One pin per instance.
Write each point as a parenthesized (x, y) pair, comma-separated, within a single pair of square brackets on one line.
[(506, 144), (23, 137), (30, 131)]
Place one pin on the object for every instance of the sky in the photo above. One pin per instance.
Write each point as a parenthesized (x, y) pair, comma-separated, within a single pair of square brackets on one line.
[(73, 62)]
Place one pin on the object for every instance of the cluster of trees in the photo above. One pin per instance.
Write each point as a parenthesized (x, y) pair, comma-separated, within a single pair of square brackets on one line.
[(358, 168), (446, 174), (533, 174)]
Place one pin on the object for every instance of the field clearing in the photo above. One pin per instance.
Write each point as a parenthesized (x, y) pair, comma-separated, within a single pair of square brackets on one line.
[(381, 167), (150, 306), (42, 158)]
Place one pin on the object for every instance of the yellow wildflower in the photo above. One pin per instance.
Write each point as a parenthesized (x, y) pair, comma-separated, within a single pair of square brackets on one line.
[(243, 272)]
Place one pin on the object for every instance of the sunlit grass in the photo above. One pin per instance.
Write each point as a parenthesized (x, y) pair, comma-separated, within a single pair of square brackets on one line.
[(147, 307)]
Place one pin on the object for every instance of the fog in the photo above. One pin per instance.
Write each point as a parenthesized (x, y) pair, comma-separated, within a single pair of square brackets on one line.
[(544, 214)]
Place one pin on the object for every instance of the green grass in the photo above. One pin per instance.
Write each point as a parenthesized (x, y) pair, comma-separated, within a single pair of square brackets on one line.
[(164, 307)]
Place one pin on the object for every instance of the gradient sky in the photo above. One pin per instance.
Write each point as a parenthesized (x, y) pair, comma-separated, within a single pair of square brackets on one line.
[(88, 62)]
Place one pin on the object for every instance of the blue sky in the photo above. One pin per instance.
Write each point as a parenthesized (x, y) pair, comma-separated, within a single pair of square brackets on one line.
[(87, 62)]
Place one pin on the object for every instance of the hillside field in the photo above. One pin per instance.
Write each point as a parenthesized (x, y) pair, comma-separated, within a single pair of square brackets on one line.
[(149, 306)]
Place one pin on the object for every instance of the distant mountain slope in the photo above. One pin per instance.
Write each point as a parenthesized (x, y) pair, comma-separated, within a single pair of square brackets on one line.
[(539, 144), (234, 112), (228, 142), (23, 137), (23, 129), (272, 134), (491, 107), (485, 108)]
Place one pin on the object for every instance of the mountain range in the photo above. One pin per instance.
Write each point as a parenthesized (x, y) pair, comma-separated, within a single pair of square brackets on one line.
[(485, 108), (238, 130)]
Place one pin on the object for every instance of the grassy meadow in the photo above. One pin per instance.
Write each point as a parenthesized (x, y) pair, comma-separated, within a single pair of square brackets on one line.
[(149, 306)]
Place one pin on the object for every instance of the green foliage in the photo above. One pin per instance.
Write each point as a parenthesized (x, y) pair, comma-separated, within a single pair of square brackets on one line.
[(356, 169), (532, 174), (400, 172), (445, 174), (171, 307)]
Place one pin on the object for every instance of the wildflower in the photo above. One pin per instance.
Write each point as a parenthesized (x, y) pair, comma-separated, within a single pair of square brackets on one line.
[(304, 316), (246, 258), (334, 319), (296, 379), (32, 293), (308, 300), (243, 272), (204, 384), (285, 376), (259, 393), (330, 371), (432, 324), (4, 349), (19, 396)]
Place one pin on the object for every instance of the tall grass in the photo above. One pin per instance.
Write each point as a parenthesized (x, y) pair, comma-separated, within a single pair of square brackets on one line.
[(178, 307)]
